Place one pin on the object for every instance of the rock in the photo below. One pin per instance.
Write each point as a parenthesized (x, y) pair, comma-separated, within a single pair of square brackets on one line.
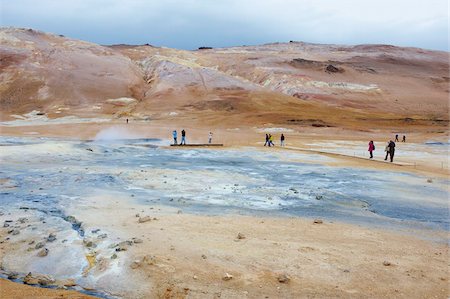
[(240, 236), (39, 245), (114, 256), (102, 236), (45, 280), (67, 283), (33, 279), (31, 242), (136, 264), (386, 263), (73, 221), (195, 277), (149, 260), (89, 244), (429, 180), (13, 275), (15, 232), (30, 279), (137, 241), (144, 219), (227, 277), (204, 257), (319, 197), (43, 252), (123, 246), (22, 220), (137, 215), (94, 231), (318, 221), (51, 237), (332, 69), (5, 224), (283, 278)]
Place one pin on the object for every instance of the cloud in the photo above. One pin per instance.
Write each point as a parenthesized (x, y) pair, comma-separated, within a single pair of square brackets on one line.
[(191, 23)]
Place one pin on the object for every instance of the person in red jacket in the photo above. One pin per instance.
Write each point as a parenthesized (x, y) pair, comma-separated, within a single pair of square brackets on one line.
[(371, 148)]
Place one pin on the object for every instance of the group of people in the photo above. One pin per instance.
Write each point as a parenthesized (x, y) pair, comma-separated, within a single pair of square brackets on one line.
[(403, 139), (175, 136), (269, 140), (183, 137), (389, 149)]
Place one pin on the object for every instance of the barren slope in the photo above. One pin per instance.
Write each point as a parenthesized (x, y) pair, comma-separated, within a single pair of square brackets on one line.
[(293, 84)]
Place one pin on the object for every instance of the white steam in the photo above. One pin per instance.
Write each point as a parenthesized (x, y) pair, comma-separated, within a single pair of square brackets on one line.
[(115, 133)]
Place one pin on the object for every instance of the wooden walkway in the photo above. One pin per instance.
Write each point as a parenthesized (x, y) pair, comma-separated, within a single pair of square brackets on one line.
[(198, 144)]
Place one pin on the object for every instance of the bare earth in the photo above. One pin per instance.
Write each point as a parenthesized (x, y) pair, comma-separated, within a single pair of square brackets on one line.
[(52, 86)]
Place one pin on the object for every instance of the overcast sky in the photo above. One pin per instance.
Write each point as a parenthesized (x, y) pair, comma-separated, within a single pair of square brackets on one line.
[(188, 24)]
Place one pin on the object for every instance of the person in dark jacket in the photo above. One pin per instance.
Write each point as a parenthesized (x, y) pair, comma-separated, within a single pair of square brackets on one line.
[(391, 147), (396, 137), (183, 137), (404, 138), (371, 148), (267, 140), (282, 140)]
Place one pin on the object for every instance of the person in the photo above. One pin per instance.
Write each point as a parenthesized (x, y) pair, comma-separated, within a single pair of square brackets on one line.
[(371, 148), (396, 138), (210, 137), (271, 140), (174, 134), (404, 138), (386, 149), (127, 120), (267, 140), (183, 137), (282, 140), (391, 150)]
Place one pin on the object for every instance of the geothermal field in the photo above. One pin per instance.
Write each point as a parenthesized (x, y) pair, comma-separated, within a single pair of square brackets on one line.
[(96, 203)]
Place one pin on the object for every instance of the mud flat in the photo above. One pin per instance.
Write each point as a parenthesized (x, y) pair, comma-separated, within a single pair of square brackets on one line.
[(130, 219)]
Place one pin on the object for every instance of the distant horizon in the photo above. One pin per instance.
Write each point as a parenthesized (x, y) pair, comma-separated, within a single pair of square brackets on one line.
[(224, 47), (190, 24)]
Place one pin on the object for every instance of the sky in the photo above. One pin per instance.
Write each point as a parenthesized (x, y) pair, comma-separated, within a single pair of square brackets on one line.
[(190, 24)]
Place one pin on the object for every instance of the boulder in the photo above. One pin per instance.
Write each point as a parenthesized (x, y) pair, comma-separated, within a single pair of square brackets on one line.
[(43, 252), (318, 221), (144, 219), (51, 237), (333, 69), (39, 245), (227, 277), (283, 278), (34, 279)]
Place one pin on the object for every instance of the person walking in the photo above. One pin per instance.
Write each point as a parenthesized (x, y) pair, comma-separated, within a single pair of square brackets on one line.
[(396, 138), (386, 149), (282, 140), (404, 138), (371, 148), (391, 150), (271, 140), (267, 140), (210, 137), (183, 137), (174, 134)]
